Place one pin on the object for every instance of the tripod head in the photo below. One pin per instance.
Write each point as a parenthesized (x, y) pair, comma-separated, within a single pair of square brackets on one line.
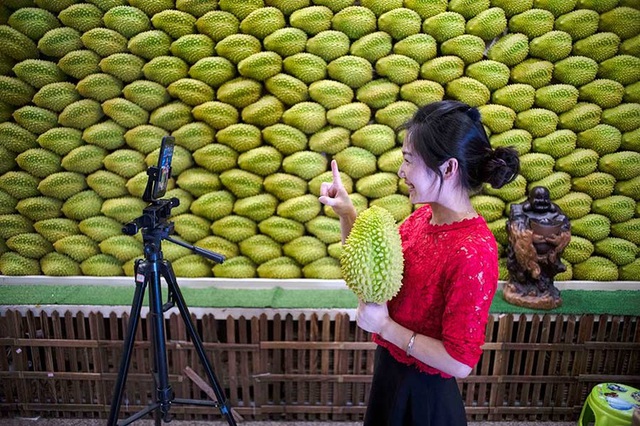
[(154, 221)]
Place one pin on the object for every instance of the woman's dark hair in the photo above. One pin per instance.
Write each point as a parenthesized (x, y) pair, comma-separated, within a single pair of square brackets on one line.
[(450, 129)]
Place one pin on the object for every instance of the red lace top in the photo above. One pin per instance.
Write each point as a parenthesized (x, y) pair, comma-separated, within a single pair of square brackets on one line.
[(450, 277)]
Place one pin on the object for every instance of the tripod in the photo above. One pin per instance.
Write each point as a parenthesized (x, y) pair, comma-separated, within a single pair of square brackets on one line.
[(148, 272)]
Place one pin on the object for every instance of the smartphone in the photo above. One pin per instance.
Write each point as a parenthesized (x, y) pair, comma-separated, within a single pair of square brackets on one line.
[(159, 186)]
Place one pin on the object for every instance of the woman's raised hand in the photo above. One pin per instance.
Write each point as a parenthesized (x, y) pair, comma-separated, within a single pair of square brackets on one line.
[(335, 195)]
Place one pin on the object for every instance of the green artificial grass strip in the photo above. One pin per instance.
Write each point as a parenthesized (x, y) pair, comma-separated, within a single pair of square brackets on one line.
[(194, 297), (339, 299), (621, 302)]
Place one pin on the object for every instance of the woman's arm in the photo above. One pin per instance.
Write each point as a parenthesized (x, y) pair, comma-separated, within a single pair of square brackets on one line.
[(346, 224), (426, 349), (375, 319)]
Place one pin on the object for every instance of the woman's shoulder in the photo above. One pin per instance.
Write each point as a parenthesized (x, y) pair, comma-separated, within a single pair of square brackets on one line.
[(419, 217), (477, 241)]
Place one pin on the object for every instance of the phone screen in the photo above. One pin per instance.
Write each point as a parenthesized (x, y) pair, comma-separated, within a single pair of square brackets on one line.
[(164, 166)]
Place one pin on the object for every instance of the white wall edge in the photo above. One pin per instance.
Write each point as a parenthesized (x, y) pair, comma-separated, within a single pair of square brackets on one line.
[(265, 284)]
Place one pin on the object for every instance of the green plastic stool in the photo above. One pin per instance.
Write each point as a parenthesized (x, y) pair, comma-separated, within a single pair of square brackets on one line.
[(610, 404)]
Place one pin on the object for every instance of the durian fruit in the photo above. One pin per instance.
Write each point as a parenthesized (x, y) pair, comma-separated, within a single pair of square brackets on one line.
[(236, 267), (372, 260)]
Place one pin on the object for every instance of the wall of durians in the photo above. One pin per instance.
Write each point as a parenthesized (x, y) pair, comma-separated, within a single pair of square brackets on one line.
[(261, 94)]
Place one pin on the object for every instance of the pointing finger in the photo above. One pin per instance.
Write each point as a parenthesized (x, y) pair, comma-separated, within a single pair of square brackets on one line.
[(336, 173)]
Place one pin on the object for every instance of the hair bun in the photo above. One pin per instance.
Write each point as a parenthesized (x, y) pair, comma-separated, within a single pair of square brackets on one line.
[(502, 166)]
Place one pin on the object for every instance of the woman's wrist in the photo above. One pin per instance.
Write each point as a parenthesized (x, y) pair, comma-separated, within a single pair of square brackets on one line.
[(349, 213), (385, 328)]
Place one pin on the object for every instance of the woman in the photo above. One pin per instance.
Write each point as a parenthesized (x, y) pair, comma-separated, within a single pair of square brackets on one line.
[(431, 333)]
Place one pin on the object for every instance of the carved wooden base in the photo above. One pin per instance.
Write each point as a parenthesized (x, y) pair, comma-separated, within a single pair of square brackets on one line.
[(544, 301)]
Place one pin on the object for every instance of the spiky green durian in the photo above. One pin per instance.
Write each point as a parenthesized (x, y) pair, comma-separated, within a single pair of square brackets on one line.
[(280, 268), (218, 24), (603, 138), (624, 21), (150, 44), (419, 47), (330, 140), (444, 26), (575, 70), (518, 139), (19, 184), (596, 268), (312, 20), (582, 117), (326, 268), (56, 264), (354, 21), (234, 228), (15, 91), (32, 22), (578, 24), (12, 263), (281, 229), (127, 20), (371, 260), (102, 265), (236, 267)]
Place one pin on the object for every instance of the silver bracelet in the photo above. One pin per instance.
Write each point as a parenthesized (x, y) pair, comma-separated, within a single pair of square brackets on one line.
[(411, 342)]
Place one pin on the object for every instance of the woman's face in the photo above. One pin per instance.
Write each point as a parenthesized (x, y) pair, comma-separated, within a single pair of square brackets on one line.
[(423, 183)]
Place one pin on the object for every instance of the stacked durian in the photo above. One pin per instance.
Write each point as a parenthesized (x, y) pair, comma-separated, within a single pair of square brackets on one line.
[(260, 95)]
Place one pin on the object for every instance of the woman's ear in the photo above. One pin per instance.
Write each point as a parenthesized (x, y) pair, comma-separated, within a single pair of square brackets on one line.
[(449, 168)]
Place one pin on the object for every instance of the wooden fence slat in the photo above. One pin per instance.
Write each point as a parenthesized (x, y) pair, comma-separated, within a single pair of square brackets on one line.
[(70, 333), (289, 388), (300, 363), (262, 389), (244, 370), (49, 362), (568, 358), (505, 327), (326, 393), (276, 365), (550, 389), (56, 330), (232, 363), (610, 356), (314, 389), (529, 361), (86, 355), (483, 393), (34, 356), (257, 388), (516, 357), (341, 365), (360, 359)]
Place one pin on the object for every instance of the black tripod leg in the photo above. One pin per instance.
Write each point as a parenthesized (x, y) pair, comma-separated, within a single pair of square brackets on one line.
[(164, 393), (134, 318), (223, 403)]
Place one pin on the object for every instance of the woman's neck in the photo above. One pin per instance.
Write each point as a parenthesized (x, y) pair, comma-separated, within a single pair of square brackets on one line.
[(451, 210)]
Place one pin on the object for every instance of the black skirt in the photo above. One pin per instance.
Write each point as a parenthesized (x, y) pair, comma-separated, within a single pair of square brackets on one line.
[(402, 395)]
